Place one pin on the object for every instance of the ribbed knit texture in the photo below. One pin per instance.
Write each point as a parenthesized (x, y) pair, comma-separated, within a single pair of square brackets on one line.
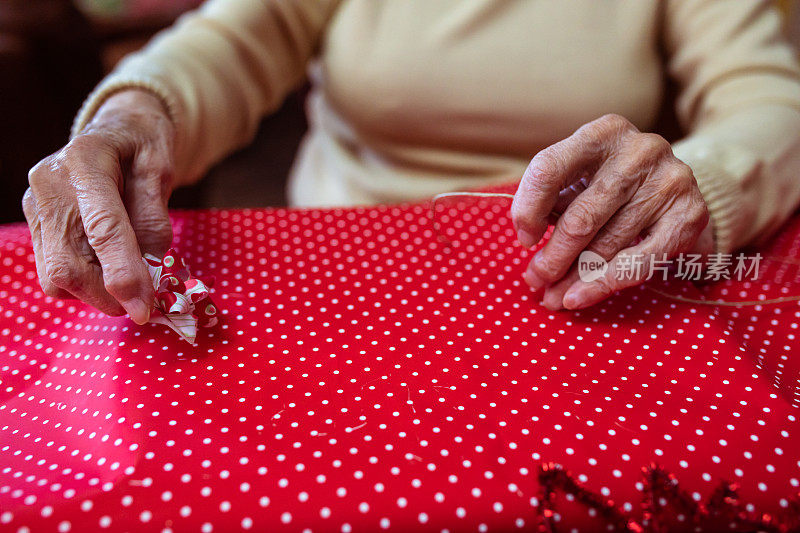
[(414, 97), (112, 85), (719, 188)]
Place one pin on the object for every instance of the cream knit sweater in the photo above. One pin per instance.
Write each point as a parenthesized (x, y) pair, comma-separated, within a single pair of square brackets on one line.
[(415, 97)]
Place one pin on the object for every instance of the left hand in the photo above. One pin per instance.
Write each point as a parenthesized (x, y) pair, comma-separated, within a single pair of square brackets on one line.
[(634, 187)]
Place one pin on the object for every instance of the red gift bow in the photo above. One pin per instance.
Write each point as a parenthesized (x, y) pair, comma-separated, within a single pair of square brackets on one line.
[(182, 302)]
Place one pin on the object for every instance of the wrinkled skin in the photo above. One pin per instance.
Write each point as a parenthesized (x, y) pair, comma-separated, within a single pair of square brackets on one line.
[(613, 185), (97, 204)]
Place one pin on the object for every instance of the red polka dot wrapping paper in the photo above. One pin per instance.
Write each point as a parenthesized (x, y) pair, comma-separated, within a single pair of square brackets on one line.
[(367, 376)]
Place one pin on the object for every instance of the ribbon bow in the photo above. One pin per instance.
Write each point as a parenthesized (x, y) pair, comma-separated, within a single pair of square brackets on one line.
[(182, 302)]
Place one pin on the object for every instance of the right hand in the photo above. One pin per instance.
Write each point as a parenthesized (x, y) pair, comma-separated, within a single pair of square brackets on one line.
[(95, 206)]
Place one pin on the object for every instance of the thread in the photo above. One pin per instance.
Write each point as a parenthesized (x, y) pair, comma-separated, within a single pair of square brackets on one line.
[(437, 228), (675, 297), (723, 303)]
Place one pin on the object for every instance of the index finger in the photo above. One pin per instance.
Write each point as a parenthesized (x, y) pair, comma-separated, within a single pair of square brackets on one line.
[(97, 180), (559, 166)]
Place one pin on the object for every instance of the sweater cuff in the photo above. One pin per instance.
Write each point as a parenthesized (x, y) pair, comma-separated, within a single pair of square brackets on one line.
[(112, 85), (719, 171)]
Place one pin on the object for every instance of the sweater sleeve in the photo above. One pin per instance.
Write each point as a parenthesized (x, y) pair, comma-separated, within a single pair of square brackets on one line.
[(218, 71), (740, 101)]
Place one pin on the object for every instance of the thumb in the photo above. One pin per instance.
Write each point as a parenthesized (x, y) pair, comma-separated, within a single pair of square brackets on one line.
[(567, 195), (705, 243)]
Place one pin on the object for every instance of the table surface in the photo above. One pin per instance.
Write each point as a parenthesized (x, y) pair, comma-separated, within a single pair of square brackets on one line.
[(366, 376)]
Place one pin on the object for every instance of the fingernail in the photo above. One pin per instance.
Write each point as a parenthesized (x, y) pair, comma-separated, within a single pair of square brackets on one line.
[(533, 280), (551, 301), (525, 239), (573, 300), (137, 310)]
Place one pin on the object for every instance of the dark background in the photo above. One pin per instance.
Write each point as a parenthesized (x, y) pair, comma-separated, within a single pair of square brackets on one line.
[(52, 55)]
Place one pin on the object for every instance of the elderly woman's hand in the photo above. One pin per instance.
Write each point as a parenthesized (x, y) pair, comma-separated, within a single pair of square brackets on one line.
[(634, 187), (97, 204)]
